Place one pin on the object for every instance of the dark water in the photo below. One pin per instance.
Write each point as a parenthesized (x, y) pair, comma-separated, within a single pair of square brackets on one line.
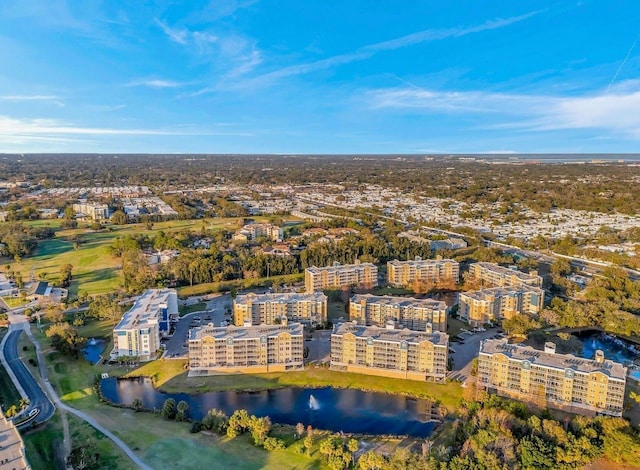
[(93, 350), (351, 411), (615, 350)]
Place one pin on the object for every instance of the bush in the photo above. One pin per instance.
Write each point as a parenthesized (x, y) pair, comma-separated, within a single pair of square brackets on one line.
[(273, 443), (195, 427)]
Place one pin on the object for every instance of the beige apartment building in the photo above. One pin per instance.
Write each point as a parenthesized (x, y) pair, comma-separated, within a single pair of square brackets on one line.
[(577, 385), (494, 275), (401, 354), (138, 332), (497, 303), (257, 309), (340, 275), (253, 231), (253, 349), (430, 271), (92, 210), (404, 312)]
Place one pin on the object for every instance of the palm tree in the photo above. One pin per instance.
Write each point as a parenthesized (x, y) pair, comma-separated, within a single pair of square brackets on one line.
[(182, 408), (12, 411), (352, 446), (136, 404), (299, 430), (24, 402)]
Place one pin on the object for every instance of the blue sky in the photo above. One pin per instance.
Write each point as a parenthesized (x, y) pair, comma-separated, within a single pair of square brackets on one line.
[(371, 76)]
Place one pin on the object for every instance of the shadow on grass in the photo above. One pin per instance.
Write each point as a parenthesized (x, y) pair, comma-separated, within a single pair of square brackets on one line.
[(49, 248)]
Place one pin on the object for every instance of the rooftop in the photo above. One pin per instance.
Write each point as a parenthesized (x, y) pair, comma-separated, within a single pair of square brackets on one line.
[(244, 332), (281, 297), (419, 261), (147, 308), (339, 267), (501, 291), (400, 301), (394, 336), (12, 454), (496, 268), (553, 360)]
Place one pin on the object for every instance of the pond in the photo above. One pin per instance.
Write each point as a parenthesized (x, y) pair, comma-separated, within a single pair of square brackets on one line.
[(93, 350), (351, 411), (614, 348)]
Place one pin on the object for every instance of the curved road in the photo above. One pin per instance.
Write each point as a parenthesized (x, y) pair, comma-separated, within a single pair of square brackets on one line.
[(37, 398)]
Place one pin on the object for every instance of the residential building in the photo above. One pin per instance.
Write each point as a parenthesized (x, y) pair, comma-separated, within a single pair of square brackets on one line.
[(251, 349), (497, 303), (340, 275), (92, 210), (253, 231), (428, 271), (494, 275), (8, 287), (140, 328), (407, 312), (563, 381), (257, 309), (12, 452), (401, 354)]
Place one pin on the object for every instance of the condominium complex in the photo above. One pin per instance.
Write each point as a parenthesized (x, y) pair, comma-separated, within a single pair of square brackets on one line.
[(92, 210), (253, 349), (401, 354), (494, 275), (12, 452), (495, 303), (253, 231), (340, 275), (429, 271), (407, 312), (138, 332), (561, 381), (269, 309)]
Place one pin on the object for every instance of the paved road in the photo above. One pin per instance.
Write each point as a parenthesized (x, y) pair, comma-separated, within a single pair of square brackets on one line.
[(465, 353), (80, 414), (319, 346), (215, 309), (37, 398)]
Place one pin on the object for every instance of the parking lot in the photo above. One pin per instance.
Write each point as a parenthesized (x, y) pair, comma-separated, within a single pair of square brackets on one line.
[(176, 346), (319, 346), (465, 352)]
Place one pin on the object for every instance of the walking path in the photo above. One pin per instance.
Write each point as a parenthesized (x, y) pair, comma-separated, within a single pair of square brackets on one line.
[(20, 322)]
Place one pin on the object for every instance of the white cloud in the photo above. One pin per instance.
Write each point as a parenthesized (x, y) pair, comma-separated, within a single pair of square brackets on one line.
[(616, 111), (176, 35), (34, 129), (370, 50), (33, 98), (155, 83)]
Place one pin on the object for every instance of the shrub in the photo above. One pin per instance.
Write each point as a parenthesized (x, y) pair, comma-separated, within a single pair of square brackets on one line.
[(273, 443)]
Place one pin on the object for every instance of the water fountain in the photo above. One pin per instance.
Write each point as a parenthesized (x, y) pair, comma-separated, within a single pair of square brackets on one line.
[(313, 403), (92, 341)]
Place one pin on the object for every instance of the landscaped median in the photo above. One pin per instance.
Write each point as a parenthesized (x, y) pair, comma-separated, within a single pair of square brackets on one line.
[(171, 376)]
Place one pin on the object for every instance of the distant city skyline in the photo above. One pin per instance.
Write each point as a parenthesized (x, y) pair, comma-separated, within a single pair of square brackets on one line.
[(259, 76)]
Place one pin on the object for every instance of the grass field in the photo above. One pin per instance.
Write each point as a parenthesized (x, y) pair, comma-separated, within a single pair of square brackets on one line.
[(94, 269), (170, 376), (43, 445), (8, 393), (197, 307), (224, 286), (336, 310)]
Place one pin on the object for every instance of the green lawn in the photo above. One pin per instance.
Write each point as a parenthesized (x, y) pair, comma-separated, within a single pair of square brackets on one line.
[(454, 325), (336, 310), (8, 393), (43, 445), (223, 286), (170, 376), (94, 269), (197, 307), (392, 291), (14, 302)]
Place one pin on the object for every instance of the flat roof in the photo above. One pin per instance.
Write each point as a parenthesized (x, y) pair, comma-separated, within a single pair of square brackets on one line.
[(556, 361), (496, 268), (12, 455), (244, 332), (147, 308), (431, 304), (502, 291), (339, 267), (419, 262), (392, 336), (284, 297)]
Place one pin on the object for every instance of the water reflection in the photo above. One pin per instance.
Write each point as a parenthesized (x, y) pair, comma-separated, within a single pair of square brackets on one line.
[(346, 410)]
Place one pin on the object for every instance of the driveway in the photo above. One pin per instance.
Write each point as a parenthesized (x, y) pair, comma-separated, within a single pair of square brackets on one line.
[(176, 345), (465, 353), (319, 346)]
